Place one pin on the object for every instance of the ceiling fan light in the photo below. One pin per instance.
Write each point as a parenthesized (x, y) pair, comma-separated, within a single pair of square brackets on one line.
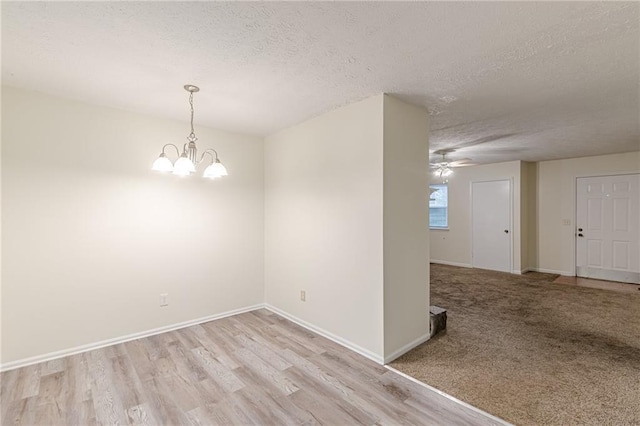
[(446, 172), (162, 164)]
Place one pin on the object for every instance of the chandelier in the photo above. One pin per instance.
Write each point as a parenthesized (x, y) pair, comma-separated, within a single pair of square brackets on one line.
[(186, 163)]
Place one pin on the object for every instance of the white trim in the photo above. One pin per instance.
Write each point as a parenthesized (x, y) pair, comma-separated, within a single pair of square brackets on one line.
[(512, 222), (606, 174), (515, 272), (452, 398), (552, 271), (324, 333), (406, 348), (446, 262), (116, 340)]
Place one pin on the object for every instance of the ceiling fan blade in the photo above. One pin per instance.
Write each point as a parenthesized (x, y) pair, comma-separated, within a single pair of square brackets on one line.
[(480, 141), (443, 151), (465, 165), (459, 162)]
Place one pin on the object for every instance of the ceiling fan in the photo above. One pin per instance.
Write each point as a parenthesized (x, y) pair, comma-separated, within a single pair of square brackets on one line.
[(444, 167)]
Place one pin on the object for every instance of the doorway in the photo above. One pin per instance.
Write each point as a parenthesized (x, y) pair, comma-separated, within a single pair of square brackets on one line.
[(491, 225), (608, 228)]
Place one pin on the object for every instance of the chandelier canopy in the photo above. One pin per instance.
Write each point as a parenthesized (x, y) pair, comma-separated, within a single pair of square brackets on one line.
[(186, 162)]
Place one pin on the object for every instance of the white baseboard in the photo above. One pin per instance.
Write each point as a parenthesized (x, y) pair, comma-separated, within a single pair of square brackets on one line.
[(406, 348), (446, 262), (515, 272), (122, 339), (498, 420), (116, 340), (324, 333), (552, 271)]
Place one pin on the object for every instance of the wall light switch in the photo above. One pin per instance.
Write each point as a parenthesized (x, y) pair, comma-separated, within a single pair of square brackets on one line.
[(303, 295), (164, 299)]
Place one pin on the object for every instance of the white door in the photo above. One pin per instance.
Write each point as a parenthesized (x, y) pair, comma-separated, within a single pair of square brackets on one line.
[(608, 228), (491, 225)]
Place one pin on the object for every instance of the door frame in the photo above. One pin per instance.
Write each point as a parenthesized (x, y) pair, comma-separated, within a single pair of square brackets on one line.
[(574, 182), (510, 180)]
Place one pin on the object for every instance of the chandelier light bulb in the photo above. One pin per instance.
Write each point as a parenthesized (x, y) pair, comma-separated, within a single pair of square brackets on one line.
[(220, 169), (210, 172), (183, 166), (162, 164), (215, 170)]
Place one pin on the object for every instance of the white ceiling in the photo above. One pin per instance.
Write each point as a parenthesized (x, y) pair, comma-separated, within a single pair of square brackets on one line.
[(502, 80)]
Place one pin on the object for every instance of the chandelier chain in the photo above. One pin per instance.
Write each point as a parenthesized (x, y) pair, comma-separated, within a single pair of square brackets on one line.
[(192, 136)]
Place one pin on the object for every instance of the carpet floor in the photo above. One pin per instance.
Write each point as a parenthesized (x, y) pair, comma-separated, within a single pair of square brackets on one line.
[(531, 351)]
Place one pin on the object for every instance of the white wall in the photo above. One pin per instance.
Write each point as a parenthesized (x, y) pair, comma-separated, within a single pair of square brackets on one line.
[(1, 185), (553, 247), (91, 236), (524, 216), (324, 222), (346, 222), (453, 246), (406, 226), (529, 215)]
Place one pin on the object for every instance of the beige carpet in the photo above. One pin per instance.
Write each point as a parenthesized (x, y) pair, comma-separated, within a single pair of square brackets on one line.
[(533, 352)]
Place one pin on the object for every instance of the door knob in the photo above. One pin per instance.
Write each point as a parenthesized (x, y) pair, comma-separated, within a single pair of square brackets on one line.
[(506, 231), (579, 229), (580, 235)]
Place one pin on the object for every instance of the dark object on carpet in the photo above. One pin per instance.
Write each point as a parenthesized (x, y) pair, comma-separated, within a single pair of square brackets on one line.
[(533, 352), (437, 320)]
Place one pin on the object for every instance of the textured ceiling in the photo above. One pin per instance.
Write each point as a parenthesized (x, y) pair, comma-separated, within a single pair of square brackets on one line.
[(502, 80)]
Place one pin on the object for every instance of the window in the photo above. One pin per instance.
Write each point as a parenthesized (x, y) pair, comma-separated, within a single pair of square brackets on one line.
[(438, 206)]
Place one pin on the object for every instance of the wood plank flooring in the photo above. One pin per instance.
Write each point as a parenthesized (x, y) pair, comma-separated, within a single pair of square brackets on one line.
[(252, 368)]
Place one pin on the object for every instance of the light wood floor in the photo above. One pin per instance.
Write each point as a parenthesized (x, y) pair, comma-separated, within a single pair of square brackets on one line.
[(253, 368)]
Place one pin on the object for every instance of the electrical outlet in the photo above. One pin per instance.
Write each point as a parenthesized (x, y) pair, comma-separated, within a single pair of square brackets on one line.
[(303, 295), (164, 299)]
